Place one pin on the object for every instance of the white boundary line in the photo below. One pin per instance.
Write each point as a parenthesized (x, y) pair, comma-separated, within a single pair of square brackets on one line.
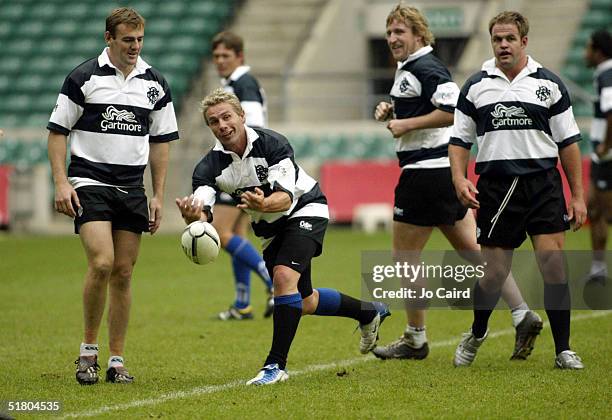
[(309, 369)]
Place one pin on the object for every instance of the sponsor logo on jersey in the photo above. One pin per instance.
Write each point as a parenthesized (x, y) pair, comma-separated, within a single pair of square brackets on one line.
[(114, 119), (512, 116), (397, 211)]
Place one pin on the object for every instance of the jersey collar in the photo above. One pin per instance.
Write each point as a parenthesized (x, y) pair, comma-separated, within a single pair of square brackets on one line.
[(417, 54), (492, 70), (251, 137), (236, 74), (140, 67), (603, 66)]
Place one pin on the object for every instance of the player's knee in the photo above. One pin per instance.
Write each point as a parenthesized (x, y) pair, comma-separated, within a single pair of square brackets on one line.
[(284, 279), (225, 236), (310, 303), (122, 274), (101, 267)]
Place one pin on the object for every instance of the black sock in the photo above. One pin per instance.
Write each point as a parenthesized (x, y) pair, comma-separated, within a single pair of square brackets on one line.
[(557, 305), (484, 303), (286, 318), (362, 311)]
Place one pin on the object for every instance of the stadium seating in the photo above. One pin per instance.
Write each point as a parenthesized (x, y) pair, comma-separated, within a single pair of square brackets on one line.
[(42, 41), (598, 16)]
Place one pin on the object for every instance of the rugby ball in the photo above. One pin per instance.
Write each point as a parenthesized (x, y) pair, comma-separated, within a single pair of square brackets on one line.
[(200, 242)]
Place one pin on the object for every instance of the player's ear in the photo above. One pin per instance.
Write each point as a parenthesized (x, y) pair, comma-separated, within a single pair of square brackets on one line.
[(107, 37)]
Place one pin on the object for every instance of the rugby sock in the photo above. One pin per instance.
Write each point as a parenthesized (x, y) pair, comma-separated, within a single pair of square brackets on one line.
[(557, 305), (286, 318), (417, 336), (242, 280), (484, 303), (598, 268), (329, 302), (243, 251), (115, 361), (360, 310), (518, 313), (89, 349)]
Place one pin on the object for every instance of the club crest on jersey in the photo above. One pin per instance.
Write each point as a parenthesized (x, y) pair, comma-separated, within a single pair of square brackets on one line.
[(509, 116), (404, 85), (262, 172), (152, 95), (543, 93), (114, 119)]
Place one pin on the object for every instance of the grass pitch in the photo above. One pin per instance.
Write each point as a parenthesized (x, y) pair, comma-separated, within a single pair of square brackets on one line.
[(188, 365)]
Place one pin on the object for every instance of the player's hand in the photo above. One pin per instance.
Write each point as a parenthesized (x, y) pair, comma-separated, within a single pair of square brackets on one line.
[(155, 214), (65, 197), (383, 111), (190, 208), (577, 213), (253, 200), (399, 127), (466, 193)]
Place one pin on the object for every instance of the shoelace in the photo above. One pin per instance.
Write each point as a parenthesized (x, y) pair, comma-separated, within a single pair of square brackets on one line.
[(96, 366)]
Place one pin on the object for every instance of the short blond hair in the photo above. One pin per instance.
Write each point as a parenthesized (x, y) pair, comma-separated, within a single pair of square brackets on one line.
[(513, 18), (125, 15), (413, 18), (220, 96)]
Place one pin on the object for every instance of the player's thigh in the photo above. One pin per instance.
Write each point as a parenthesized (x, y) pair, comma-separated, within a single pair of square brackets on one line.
[(409, 237), (224, 219), (241, 227), (126, 247), (97, 240), (462, 235)]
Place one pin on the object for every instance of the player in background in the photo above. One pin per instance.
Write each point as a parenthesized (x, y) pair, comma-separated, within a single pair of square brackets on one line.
[(598, 54), (289, 214), (230, 222), (118, 112), (424, 97), (520, 114)]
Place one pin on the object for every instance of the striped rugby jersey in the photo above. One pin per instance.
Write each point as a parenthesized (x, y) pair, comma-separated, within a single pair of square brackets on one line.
[(110, 121), (252, 97), (519, 126), (602, 82), (423, 84), (268, 163)]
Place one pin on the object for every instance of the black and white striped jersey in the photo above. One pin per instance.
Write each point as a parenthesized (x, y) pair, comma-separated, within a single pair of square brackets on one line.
[(519, 126), (251, 95), (423, 84), (602, 82), (111, 119), (268, 163)]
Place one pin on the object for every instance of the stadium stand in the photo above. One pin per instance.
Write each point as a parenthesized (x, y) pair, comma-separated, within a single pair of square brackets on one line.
[(598, 16), (42, 41)]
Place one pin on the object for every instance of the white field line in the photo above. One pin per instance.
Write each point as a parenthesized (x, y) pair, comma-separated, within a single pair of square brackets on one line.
[(307, 370)]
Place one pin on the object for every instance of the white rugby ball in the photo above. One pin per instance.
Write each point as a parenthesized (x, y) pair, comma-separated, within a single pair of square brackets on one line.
[(200, 242)]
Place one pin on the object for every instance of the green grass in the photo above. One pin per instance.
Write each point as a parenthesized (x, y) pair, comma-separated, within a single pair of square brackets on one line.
[(188, 365)]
